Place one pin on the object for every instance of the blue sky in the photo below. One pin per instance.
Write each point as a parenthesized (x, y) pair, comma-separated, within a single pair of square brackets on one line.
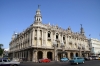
[(17, 15)]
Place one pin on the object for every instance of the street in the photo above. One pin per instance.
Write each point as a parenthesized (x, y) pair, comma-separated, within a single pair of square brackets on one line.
[(87, 63)]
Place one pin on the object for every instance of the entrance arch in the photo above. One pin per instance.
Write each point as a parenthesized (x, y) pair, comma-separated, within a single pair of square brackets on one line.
[(49, 55), (40, 55), (76, 54), (71, 55)]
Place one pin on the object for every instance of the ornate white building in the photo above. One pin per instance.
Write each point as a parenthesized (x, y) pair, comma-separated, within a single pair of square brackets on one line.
[(94, 45), (48, 41)]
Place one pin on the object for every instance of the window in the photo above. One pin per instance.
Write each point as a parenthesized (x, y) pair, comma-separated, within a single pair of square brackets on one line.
[(48, 34), (56, 36), (0, 60), (63, 38), (4, 60)]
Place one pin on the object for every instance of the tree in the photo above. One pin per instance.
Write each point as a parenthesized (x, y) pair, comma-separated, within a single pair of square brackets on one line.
[(1, 49)]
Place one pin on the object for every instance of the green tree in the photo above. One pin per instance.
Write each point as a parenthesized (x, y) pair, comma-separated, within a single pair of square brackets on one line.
[(1, 49)]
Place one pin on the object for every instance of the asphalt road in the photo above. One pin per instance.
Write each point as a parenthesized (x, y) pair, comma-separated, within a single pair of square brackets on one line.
[(87, 63)]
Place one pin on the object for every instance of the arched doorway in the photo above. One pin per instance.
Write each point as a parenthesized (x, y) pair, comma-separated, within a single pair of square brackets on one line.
[(59, 56), (49, 55), (40, 55), (66, 55), (76, 54), (71, 55)]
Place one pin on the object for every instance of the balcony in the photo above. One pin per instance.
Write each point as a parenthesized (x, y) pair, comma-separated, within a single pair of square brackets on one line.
[(35, 37), (57, 40), (49, 38)]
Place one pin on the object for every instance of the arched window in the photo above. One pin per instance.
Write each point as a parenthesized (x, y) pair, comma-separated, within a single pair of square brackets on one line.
[(64, 37), (49, 34), (56, 35)]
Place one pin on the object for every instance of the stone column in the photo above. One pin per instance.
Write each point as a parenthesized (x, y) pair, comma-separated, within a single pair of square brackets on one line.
[(33, 32), (30, 35), (28, 55), (45, 54), (69, 55), (38, 37), (33, 59), (74, 54), (42, 38)]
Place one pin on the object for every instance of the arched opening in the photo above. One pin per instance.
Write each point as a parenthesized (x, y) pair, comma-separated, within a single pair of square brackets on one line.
[(66, 55), (49, 55), (56, 35), (76, 54), (40, 55), (71, 55), (59, 56)]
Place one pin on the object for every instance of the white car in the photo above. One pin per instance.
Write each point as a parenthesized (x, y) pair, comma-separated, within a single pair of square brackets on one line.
[(6, 62)]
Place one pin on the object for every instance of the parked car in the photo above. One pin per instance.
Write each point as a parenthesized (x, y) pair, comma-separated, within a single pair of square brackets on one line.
[(64, 59), (88, 58), (77, 60), (6, 62), (44, 60)]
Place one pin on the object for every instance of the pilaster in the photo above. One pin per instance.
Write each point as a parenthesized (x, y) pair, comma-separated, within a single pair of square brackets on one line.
[(38, 37), (33, 37), (45, 54), (28, 55)]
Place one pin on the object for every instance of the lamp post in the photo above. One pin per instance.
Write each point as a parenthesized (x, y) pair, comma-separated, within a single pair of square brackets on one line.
[(84, 50), (79, 47), (55, 45), (62, 46)]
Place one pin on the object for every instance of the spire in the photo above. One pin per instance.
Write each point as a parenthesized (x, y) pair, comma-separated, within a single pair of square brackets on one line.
[(82, 30), (38, 16)]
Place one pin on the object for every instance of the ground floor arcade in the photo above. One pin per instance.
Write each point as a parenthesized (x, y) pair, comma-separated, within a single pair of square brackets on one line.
[(36, 54)]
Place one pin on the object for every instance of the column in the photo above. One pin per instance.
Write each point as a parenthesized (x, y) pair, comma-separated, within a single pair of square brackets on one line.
[(33, 59), (42, 38), (45, 54), (30, 38), (37, 36), (69, 55), (28, 55), (33, 37), (74, 53), (46, 38), (53, 58)]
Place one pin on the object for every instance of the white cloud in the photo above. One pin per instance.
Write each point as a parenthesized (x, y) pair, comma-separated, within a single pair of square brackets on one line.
[(7, 49)]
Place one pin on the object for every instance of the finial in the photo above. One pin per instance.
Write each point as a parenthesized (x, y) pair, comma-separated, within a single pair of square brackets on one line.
[(39, 6)]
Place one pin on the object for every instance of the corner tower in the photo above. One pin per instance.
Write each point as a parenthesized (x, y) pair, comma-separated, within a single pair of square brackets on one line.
[(38, 16)]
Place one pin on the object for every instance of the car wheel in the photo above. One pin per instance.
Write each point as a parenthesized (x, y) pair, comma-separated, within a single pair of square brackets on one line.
[(83, 62), (77, 63)]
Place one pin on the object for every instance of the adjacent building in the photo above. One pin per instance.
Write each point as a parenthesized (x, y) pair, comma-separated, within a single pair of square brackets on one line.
[(95, 46), (48, 41)]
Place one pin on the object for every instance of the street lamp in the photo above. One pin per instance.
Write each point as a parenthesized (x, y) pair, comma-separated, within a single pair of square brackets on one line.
[(55, 45), (79, 47), (62, 46)]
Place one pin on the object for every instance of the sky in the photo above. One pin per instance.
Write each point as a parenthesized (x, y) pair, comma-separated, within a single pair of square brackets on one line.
[(17, 15)]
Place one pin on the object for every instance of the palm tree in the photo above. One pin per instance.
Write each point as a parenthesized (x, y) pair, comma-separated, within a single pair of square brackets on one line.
[(1, 45), (1, 49)]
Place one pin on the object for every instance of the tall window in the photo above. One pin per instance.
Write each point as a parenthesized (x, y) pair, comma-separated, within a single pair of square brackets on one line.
[(63, 37), (57, 36), (49, 34)]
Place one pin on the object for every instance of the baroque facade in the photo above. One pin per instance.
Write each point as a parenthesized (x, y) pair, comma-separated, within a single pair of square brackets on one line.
[(48, 41), (95, 46)]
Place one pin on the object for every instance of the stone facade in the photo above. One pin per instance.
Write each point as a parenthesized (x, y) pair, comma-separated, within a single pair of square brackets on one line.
[(94, 45), (37, 42)]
